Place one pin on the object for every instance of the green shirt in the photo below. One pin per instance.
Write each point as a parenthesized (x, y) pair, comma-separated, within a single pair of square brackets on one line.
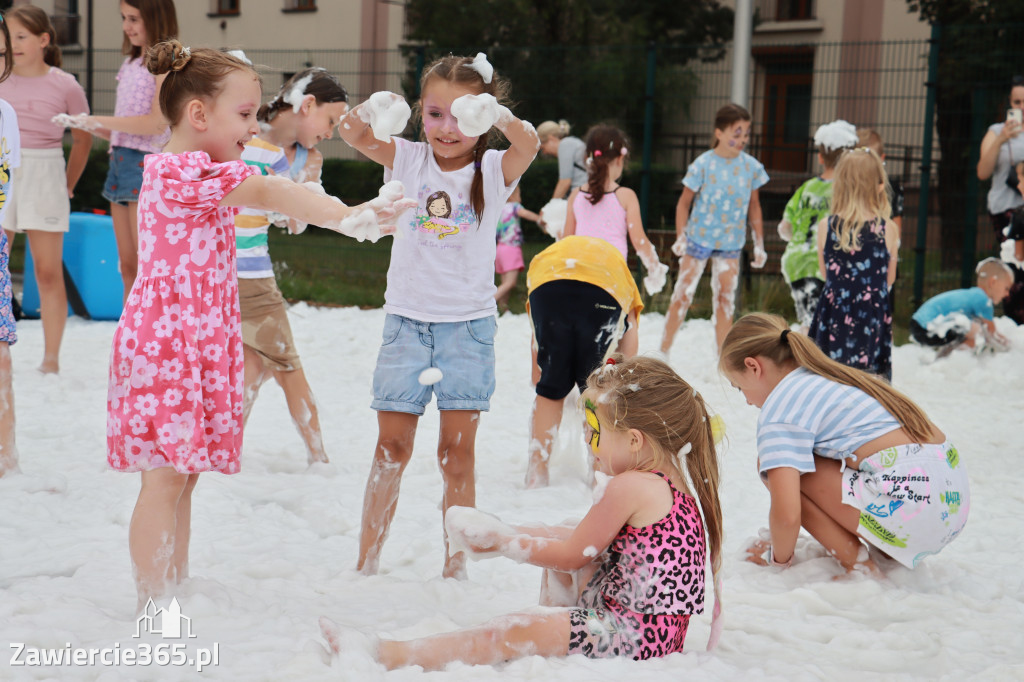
[(803, 211)]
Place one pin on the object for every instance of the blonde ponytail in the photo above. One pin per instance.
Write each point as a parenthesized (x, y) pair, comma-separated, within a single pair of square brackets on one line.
[(768, 336)]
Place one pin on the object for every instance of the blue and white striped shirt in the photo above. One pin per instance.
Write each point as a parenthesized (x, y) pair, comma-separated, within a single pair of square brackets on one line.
[(807, 414)]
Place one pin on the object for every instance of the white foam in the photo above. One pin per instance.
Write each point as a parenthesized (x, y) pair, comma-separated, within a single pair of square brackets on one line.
[(297, 92), (387, 114), (836, 135), (476, 114), (553, 215), (430, 376), (467, 526), (482, 66)]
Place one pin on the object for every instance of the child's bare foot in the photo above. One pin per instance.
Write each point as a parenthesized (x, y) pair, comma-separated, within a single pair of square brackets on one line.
[(455, 567), (50, 365), (341, 638), (537, 475), (319, 456)]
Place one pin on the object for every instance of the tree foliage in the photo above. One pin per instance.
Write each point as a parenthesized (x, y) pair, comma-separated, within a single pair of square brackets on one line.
[(584, 61), (979, 51)]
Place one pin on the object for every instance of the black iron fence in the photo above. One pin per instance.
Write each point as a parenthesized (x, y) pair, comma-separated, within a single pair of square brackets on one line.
[(665, 97)]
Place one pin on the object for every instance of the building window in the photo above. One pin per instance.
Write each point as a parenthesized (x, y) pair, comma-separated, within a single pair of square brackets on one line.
[(222, 7), (66, 22), (794, 10), (785, 10), (299, 6)]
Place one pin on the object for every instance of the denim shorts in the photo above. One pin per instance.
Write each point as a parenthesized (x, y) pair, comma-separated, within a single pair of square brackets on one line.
[(463, 351), (701, 252), (124, 178)]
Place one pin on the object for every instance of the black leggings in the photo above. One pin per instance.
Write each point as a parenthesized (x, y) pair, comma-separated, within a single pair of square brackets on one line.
[(574, 323)]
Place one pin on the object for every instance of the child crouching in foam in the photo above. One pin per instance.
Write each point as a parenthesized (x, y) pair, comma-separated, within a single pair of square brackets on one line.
[(954, 319)]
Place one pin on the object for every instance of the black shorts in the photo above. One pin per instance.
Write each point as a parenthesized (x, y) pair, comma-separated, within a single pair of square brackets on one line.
[(925, 338), (574, 323)]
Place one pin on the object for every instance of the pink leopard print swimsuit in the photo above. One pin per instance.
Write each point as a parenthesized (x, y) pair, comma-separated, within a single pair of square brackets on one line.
[(639, 601)]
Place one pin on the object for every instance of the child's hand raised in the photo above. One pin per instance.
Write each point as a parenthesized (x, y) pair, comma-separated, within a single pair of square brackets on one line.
[(476, 114), (385, 112)]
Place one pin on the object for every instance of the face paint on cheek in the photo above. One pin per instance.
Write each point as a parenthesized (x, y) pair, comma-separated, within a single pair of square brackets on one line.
[(593, 425)]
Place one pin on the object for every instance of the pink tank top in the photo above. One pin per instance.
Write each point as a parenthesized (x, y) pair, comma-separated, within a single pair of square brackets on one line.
[(658, 568), (605, 220), (136, 87)]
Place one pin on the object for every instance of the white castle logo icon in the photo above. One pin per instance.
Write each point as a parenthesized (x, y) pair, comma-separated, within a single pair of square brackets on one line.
[(172, 623)]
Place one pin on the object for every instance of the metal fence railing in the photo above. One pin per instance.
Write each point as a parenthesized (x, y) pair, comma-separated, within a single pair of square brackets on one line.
[(665, 97)]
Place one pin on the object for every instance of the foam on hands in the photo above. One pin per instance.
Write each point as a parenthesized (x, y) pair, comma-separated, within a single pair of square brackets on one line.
[(553, 215), (79, 121), (387, 114), (476, 114), (467, 526), (364, 225)]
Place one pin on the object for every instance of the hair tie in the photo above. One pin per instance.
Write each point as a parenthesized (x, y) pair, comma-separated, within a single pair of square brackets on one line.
[(597, 152), (785, 333), (476, 165), (610, 361)]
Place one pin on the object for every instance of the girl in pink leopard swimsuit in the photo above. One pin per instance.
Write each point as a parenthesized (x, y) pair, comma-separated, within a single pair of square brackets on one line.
[(639, 554)]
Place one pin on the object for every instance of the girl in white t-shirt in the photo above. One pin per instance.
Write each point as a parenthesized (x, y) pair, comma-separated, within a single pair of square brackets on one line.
[(439, 332), (10, 158)]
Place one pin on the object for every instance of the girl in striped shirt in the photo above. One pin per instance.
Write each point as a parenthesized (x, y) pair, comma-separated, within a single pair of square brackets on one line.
[(842, 453)]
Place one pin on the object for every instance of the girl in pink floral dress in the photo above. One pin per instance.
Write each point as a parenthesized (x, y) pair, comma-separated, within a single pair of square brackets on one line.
[(174, 406)]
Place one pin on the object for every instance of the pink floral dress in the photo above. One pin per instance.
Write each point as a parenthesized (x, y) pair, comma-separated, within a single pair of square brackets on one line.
[(175, 392)]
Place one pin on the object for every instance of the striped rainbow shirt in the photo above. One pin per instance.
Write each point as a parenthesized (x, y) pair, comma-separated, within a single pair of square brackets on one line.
[(251, 224)]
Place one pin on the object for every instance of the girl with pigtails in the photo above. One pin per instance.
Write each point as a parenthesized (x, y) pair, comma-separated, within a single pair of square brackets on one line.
[(439, 331), (626, 580)]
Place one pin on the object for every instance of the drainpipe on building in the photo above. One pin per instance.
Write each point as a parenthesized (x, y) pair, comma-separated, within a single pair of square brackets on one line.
[(742, 28)]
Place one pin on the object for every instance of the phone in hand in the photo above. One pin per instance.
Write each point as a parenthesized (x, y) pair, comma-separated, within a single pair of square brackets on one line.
[(1016, 115)]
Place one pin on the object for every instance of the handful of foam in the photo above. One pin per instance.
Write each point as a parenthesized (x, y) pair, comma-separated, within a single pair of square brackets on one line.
[(79, 121), (657, 272), (476, 114), (553, 215), (468, 527), (387, 114), (365, 224)]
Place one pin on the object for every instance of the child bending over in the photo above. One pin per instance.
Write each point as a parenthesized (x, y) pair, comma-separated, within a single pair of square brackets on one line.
[(954, 318), (842, 453)]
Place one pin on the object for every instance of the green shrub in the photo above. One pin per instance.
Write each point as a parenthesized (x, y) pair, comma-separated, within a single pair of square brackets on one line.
[(89, 190)]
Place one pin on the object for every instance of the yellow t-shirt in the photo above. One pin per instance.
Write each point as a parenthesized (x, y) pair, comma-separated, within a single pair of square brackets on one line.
[(590, 260)]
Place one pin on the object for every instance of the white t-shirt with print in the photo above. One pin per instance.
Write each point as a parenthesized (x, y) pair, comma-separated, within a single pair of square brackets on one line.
[(442, 259), (10, 152)]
